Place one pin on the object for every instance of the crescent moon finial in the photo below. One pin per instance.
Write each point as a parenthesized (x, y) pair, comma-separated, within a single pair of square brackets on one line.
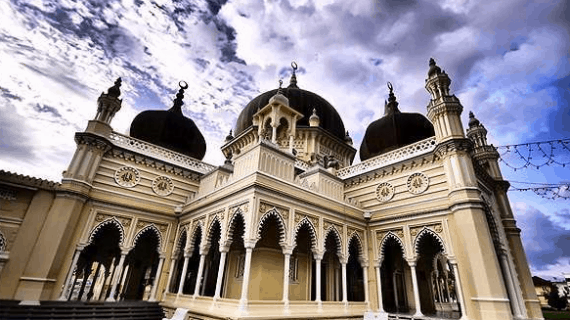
[(390, 87), (294, 65), (183, 85)]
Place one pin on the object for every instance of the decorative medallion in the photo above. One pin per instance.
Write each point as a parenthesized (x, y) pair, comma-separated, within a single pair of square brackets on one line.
[(384, 192), (418, 183), (162, 186), (127, 177)]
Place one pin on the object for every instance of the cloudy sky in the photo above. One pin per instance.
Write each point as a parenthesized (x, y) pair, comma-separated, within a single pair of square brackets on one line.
[(508, 61)]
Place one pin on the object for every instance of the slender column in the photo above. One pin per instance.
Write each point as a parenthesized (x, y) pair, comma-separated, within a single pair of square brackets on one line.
[(510, 285), (246, 271), (365, 280), (183, 275), (416, 289), (102, 292), (379, 288), (459, 291), (115, 279), (318, 258), (168, 284), (106, 286), (223, 254), (76, 254), (125, 280), (95, 277), (156, 279), (344, 296), (286, 267), (86, 274), (203, 253)]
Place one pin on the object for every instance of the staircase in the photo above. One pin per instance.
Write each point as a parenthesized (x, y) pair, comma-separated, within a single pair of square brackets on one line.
[(56, 310)]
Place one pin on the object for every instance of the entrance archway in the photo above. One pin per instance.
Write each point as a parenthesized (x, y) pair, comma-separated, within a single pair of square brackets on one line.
[(394, 276), (302, 282), (354, 271), (331, 277), (97, 263), (142, 263)]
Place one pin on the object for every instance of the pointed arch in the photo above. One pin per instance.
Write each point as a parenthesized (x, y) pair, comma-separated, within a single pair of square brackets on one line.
[(387, 237), (428, 232), (110, 222), (232, 225), (150, 228), (359, 244), (312, 232), (282, 226), (211, 225), (338, 239), (179, 245), (198, 229)]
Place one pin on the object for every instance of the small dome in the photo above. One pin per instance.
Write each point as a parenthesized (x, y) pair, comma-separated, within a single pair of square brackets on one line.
[(300, 100), (394, 130), (170, 129), (433, 68)]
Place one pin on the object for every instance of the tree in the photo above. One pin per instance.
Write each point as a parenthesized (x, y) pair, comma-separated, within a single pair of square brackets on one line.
[(555, 300)]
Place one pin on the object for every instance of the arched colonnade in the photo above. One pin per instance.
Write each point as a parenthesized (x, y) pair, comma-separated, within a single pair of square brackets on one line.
[(426, 280), (274, 264), (108, 269)]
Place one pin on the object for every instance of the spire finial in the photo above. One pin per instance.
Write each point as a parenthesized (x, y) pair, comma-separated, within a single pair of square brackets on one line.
[(179, 96), (433, 68), (115, 90), (392, 105), (293, 81), (280, 90), (473, 122)]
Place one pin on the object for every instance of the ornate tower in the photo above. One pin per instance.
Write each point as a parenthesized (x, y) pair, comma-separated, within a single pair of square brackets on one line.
[(481, 270)]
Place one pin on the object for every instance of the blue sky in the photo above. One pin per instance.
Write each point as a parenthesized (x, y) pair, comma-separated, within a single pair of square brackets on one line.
[(508, 61)]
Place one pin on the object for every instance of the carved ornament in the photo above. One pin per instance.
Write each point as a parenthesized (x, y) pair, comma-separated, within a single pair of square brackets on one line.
[(162, 186), (384, 192), (417, 183), (127, 177), (100, 217)]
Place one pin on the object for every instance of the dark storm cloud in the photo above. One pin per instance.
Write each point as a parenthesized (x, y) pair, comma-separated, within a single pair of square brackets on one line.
[(544, 241)]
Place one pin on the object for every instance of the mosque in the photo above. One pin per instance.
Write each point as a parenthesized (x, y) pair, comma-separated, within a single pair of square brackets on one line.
[(286, 228)]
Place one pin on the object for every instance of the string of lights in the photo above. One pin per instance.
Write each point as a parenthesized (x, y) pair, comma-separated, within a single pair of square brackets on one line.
[(545, 190), (535, 154)]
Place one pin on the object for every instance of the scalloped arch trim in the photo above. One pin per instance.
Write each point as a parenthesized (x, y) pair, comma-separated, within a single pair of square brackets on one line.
[(149, 228), (428, 232), (108, 222), (312, 232), (282, 227)]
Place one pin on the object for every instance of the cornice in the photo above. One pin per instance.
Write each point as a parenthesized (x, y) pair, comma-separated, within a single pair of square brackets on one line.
[(20, 180), (453, 145)]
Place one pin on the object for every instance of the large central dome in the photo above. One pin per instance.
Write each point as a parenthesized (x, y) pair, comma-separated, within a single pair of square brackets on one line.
[(300, 100)]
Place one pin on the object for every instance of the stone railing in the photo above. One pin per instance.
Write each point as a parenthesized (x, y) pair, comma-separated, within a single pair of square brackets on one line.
[(407, 152), (159, 153)]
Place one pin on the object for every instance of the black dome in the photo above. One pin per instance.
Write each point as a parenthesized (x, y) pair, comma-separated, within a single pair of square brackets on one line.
[(170, 129), (394, 130), (300, 100)]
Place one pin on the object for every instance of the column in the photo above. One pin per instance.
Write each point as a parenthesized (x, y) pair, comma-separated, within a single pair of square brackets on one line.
[(76, 254), (344, 296), (286, 267), (156, 279), (124, 283), (246, 271), (203, 253), (172, 263), (510, 285), (365, 280), (183, 275), (114, 281), (94, 282), (223, 254), (318, 258), (107, 286), (416, 289), (379, 288), (458, 290)]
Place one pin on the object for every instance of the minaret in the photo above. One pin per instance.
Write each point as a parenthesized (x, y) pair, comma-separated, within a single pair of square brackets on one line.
[(46, 269), (486, 155), (484, 278), (107, 105)]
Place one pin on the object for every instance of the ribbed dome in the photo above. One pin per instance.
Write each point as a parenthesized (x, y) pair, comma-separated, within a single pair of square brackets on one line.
[(170, 129), (300, 100), (394, 130)]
